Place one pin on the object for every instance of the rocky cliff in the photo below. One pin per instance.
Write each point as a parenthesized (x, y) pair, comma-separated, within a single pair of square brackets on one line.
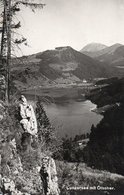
[(26, 163)]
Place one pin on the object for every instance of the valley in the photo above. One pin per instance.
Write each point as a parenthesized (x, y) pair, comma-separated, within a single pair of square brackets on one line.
[(62, 97), (61, 67)]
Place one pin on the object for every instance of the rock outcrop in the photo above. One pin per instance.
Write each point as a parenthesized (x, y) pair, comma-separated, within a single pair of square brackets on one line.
[(18, 170), (28, 118), (8, 187)]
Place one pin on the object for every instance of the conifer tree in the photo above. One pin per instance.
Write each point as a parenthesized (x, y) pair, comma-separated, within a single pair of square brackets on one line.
[(44, 127), (10, 8)]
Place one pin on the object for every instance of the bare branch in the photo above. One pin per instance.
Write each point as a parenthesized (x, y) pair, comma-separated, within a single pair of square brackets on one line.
[(29, 4)]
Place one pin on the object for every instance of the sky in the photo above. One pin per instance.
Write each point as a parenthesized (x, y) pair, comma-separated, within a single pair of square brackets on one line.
[(74, 23)]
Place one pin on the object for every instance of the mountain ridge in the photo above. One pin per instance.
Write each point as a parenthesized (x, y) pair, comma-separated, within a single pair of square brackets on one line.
[(63, 65), (112, 56), (93, 47), (97, 53)]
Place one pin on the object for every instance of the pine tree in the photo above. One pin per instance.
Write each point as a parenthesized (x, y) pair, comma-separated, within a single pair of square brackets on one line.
[(45, 129), (10, 8), (41, 115)]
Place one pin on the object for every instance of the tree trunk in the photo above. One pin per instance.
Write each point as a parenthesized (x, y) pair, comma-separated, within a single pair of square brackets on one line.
[(6, 45), (9, 19)]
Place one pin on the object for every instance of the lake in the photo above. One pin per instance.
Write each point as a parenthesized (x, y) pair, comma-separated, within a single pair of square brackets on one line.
[(70, 113), (73, 117)]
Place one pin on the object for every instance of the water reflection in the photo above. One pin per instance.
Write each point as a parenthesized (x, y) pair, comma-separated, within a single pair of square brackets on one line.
[(72, 117)]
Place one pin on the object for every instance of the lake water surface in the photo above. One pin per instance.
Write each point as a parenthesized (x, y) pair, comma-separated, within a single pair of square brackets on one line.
[(71, 118), (70, 113)]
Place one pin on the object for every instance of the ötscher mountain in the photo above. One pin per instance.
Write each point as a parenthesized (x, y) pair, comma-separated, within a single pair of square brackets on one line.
[(112, 56), (93, 49)]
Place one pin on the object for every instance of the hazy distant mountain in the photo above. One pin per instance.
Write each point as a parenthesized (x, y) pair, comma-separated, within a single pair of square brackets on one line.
[(92, 49), (112, 53), (100, 52), (112, 56), (63, 65)]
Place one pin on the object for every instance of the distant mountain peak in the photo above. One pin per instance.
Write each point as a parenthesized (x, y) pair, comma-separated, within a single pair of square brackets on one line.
[(93, 47), (117, 44)]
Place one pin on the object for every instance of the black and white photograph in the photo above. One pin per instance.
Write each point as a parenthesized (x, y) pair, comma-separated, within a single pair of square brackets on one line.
[(61, 97)]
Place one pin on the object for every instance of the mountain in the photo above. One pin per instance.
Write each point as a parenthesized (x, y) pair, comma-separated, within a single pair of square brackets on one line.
[(112, 56), (64, 65), (101, 51), (92, 49), (107, 54)]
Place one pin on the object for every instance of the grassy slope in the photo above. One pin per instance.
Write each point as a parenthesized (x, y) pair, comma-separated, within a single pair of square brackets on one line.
[(79, 175)]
